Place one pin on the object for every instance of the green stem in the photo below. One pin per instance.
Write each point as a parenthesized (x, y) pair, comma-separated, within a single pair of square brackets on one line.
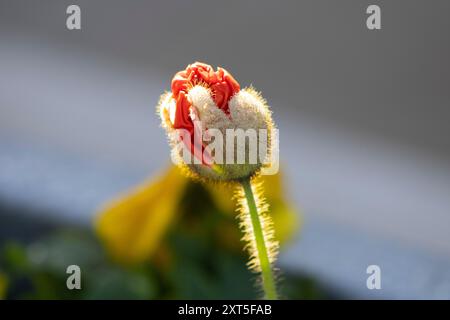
[(266, 271)]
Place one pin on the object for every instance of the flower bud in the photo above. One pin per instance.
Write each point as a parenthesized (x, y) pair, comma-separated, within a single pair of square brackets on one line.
[(217, 130)]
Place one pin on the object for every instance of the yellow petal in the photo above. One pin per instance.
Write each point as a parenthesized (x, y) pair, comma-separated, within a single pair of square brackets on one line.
[(273, 186), (286, 221), (133, 226)]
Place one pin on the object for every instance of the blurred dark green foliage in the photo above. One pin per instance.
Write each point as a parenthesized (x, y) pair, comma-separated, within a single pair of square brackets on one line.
[(38, 271)]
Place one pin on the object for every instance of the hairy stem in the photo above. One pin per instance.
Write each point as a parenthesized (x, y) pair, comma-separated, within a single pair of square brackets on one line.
[(261, 246)]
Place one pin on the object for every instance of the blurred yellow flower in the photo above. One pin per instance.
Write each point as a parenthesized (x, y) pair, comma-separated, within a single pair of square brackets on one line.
[(3, 286), (133, 226)]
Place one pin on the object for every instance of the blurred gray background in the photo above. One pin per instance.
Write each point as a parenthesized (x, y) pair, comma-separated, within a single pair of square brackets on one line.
[(363, 116)]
